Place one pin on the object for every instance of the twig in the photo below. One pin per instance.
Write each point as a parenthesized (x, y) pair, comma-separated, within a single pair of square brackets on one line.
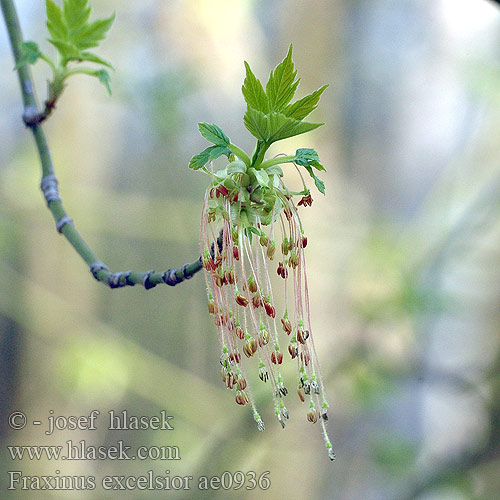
[(33, 117)]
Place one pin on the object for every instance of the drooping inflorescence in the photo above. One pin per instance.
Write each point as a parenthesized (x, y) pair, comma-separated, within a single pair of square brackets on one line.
[(250, 230)]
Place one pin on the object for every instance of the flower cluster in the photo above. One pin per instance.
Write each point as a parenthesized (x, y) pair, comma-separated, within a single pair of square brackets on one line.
[(249, 228), (239, 257)]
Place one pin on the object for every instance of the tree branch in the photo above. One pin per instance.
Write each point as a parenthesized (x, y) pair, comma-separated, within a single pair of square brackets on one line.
[(64, 224)]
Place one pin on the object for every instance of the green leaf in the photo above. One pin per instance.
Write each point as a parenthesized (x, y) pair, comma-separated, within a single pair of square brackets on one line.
[(305, 106), (261, 176), (209, 154), (67, 50), (253, 92), (257, 123), (308, 157), (55, 21), (213, 133), (76, 13), (319, 183), (89, 56), (275, 169), (30, 53), (275, 126), (236, 167), (92, 33), (104, 78), (281, 86)]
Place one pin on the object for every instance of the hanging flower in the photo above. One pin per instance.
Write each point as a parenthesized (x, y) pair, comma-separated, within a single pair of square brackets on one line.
[(250, 229)]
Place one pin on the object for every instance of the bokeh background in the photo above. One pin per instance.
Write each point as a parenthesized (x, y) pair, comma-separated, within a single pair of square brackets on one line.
[(403, 260)]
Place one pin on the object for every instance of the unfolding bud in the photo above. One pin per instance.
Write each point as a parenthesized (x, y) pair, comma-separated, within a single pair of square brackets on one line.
[(293, 350), (314, 387), (263, 337), (281, 390), (263, 375), (271, 248), (324, 414), (252, 285), (287, 326), (277, 357), (302, 335), (307, 386), (241, 398), (250, 347), (263, 240), (241, 301), (312, 415), (211, 307), (293, 261)]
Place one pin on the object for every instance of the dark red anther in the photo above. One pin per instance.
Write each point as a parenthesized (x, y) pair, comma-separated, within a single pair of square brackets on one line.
[(241, 301), (235, 356), (256, 301), (270, 310), (293, 350), (222, 190), (277, 357), (239, 332), (241, 398), (250, 347), (306, 201), (287, 326), (302, 335), (305, 357), (236, 253), (303, 241), (242, 383)]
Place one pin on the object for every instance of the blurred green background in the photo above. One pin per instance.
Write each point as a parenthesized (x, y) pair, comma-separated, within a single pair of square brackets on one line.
[(403, 254)]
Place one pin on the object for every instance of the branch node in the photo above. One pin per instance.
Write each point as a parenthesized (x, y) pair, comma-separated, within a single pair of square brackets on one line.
[(114, 280), (128, 281), (170, 278), (147, 280), (49, 188), (186, 275), (65, 219), (31, 116), (96, 267)]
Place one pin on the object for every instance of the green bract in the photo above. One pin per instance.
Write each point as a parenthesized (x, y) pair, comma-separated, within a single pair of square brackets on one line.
[(257, 185), (72, 34)]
